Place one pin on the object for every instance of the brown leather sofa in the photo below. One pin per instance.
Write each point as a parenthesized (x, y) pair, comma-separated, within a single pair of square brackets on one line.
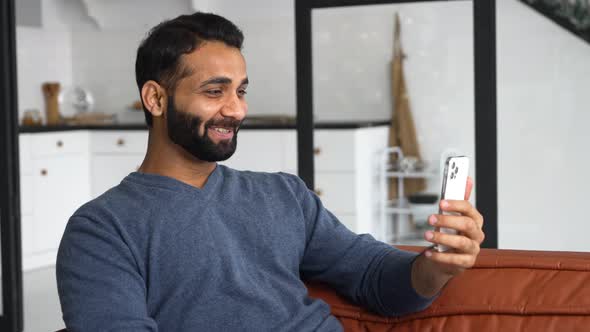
[(506, 290)]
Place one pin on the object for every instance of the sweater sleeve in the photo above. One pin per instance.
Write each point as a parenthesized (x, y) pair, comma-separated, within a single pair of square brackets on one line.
[(99, 286), (368, 272)]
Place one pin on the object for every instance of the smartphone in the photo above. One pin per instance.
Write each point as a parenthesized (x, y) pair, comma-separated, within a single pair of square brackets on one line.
[(453, 188)]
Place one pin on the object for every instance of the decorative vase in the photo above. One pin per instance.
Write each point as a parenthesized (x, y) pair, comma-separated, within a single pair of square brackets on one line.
[(51, 92)]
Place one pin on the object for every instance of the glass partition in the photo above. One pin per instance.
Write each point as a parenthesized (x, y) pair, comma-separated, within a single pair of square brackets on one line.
[(353, 81)]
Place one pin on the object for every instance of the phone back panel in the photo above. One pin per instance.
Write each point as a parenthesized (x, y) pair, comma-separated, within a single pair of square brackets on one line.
[(453, 188), (456, 174)]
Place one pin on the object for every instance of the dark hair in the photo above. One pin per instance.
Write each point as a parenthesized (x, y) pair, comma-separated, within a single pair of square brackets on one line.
[(158, 55)]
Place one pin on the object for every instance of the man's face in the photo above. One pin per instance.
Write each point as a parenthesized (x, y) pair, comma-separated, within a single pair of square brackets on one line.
[(205, 112)]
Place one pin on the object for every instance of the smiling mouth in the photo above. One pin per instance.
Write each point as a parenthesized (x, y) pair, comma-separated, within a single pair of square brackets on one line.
[(222, 132)]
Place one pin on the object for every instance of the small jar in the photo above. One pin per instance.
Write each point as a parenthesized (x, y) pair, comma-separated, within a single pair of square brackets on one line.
[(31, 117)]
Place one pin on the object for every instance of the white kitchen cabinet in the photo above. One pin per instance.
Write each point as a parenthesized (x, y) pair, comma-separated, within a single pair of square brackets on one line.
[(59, 144), (61, 187), (121, 142), (25, 155), (55, 181), (26, 194), (368, 142), (334, 150), (337, 191), (113, 155), (346, 174)]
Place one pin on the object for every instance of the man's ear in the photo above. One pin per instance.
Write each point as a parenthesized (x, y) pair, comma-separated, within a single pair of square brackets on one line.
[(154, 98)]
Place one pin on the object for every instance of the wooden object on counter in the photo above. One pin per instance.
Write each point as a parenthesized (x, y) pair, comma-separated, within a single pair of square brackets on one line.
[(136, 105), (402, 130), (50, 93), (31, 117)]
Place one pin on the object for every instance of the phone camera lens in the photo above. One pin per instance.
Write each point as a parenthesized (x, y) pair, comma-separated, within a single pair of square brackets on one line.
[(453, 166)]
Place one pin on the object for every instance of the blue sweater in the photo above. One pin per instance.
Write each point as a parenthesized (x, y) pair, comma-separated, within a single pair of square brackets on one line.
[(156, 254)]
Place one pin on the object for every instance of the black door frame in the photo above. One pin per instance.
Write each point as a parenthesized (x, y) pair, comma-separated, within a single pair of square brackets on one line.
[(12, 313), (484, 34)]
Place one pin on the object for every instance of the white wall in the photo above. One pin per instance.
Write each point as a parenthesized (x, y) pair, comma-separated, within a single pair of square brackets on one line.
[(28, 12), (269, 50), (104, 54), (104, 62), (43, 54), (91, 44), (543, 178), (96, 44)]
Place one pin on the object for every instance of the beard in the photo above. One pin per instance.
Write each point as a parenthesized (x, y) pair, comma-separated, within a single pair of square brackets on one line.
[(183, 130)]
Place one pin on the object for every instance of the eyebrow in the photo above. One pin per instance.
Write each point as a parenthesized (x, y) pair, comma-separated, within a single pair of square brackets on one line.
[(222, 80)]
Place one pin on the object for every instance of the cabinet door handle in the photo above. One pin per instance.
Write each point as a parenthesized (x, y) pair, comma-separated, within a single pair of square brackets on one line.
[(59, 144), (120, 142), (318, 192), (317, 151), (43, 172)]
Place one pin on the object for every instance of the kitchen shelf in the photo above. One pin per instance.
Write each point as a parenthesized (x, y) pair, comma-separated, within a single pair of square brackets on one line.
[(395, 209)]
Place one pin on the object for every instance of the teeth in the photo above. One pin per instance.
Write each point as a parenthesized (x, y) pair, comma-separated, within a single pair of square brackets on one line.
[(222, 130)]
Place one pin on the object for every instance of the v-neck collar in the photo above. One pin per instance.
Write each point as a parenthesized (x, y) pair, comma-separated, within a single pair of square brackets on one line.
[(166, 182)]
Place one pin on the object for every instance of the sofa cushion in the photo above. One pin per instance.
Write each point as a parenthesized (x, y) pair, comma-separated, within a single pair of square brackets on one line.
[(506, 290)]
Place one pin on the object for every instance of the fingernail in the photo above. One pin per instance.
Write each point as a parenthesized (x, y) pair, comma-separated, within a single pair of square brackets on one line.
[(444, 204), (428, 253), (433, 219), (429, 235)]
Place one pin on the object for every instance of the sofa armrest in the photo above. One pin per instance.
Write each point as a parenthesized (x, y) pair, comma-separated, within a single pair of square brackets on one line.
[(536, 290)]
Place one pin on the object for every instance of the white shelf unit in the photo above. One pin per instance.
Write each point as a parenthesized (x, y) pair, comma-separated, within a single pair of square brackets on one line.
[(393, 212)]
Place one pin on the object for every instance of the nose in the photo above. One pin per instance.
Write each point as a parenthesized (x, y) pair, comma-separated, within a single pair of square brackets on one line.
[(235, 108)]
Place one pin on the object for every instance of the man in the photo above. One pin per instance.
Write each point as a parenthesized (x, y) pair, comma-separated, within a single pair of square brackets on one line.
[(185, 244)]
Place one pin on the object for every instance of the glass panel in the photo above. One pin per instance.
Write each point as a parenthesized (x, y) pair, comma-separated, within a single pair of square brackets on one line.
[(543, 78), (353, 78)]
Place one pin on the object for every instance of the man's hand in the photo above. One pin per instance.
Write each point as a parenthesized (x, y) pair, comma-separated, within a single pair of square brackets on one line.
[(433, 269)]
